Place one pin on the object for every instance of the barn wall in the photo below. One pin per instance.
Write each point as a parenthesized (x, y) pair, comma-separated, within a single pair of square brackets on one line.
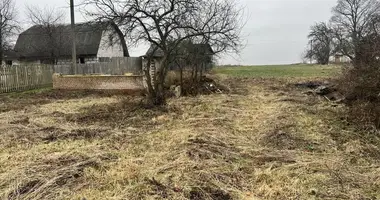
[(105, 50)]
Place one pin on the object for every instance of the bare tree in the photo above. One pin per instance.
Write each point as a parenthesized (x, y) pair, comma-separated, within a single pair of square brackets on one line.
[(321, 43), (352, 22), (50, 21), (8, 25), (167, 23)]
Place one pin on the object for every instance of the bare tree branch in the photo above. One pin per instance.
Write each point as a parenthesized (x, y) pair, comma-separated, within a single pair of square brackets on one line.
[(168, 23), (50, 22), (352, 22), (8, 25)]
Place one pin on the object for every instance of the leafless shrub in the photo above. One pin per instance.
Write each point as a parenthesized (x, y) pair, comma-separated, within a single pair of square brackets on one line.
[(168, 26), (8, 25), (361, 83)]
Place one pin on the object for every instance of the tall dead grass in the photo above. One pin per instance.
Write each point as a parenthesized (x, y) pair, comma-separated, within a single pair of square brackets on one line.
[(263, 140)]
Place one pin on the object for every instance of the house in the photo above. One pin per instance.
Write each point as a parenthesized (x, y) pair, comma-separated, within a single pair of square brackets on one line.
[(42, 45), (339, 58), (11, 57), (187, 54), (204, 53)]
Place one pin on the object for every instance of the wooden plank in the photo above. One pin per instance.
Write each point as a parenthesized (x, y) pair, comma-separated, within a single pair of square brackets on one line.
[(13, 78), (7, 79), (10, 82), (22, 76), (4, 79), (27, 76), (17, 78)]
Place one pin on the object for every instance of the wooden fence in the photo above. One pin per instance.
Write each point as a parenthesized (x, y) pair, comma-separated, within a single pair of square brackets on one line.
[(116, 66), (25, 77)]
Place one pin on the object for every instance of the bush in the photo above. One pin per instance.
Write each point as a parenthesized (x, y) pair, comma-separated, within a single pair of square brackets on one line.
[(361, 86)]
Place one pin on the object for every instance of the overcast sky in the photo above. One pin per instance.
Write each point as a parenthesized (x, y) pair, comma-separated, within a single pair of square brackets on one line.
[(275, 32)]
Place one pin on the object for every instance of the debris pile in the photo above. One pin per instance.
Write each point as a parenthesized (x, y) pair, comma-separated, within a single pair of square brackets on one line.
[(205, 86), (210, 86), (324, 89)]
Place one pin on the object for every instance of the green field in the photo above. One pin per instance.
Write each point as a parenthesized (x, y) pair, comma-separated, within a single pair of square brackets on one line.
[(301, 70)]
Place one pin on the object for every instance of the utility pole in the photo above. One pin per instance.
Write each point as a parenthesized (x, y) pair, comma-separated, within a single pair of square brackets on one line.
[(74, 51)]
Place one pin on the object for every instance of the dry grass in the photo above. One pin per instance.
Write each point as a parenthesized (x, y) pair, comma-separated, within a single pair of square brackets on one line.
[(263, 140)]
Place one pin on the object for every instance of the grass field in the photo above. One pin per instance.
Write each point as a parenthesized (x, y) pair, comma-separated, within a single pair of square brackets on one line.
[(264, 139), (299, 70)]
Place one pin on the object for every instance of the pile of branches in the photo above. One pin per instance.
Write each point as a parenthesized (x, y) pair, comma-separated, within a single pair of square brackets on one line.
[(204, 86)]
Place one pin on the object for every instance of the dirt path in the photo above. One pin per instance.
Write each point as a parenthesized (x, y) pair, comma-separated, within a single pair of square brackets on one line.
[(261, 141)]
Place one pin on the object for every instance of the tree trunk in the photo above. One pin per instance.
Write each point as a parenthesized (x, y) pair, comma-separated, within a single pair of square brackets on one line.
[(156, 90), (181, 77), (195, 77), (148, 77), (201, 72)]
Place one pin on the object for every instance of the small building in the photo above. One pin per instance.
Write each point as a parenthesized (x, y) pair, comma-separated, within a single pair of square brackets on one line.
[(339, 58), (205, 54), (186, 55), (53, 45), (11, 57)]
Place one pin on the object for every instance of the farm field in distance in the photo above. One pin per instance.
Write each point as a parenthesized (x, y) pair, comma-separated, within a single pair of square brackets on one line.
[(264, 139), (295, 71)]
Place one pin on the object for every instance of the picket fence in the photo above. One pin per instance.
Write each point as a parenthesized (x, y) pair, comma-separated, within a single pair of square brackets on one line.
[(115, 66), (28, 77), (25, 77)]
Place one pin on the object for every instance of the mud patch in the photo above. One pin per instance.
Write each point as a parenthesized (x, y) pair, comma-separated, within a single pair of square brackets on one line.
[(310, 84)]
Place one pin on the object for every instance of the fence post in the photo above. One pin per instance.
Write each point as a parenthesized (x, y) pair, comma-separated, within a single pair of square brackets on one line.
[(13, 78), (3, 77), (17, 79), (26, 77)]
